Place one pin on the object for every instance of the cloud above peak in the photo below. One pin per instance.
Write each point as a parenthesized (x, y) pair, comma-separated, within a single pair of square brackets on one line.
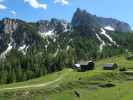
[(13, 12), (1, 0), (33, 3), (36, 4), (2, 7), (63, 2)]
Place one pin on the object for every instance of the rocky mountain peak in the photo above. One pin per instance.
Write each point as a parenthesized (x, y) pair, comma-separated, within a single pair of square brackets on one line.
[(87, 23), (10, 25)]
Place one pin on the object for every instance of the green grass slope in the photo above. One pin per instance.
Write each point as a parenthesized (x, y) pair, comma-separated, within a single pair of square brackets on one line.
[(90, 85)]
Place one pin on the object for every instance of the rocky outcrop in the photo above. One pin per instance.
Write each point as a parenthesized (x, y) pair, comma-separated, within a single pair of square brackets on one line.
[(87, 23), (10, 25), (55, 25), (84, 23), (116, 24), (15, 34)]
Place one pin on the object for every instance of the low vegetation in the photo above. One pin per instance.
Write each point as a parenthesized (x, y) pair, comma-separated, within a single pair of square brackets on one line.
[(72, 85)]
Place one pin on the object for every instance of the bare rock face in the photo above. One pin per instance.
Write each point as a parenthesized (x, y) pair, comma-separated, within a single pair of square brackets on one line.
[(56, 25), (10, 25), (116, 24), (15, 34), (87, 23)]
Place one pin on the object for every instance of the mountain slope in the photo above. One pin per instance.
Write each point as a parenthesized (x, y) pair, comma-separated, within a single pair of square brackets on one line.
[(17, 34), (87, 24), (29, 50)]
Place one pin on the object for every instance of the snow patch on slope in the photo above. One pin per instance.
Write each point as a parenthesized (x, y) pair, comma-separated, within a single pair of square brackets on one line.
[(102, 43), (54, 40), (3, 55), (103, 32), (9, 48), (65, 27), (46, 47), (23, 49), (109, 28), (57, 51), (49, 33), (68, 47)]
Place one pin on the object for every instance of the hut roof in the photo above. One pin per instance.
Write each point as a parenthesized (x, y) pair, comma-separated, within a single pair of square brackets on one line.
[(84, 62), (77, 65), (109, 65)]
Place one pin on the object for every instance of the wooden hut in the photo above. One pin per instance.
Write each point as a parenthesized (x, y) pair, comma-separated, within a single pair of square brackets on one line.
[(84, 66), (110, 66)]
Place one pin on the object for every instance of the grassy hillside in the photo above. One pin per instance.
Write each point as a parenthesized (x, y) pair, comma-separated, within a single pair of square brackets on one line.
[(90, 85)]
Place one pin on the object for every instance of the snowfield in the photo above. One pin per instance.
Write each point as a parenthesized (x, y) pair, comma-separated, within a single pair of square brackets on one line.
[(49, 33), (103, 32), (23, 49), (109, 28), (6, 51), (9, 48), (102, 43)]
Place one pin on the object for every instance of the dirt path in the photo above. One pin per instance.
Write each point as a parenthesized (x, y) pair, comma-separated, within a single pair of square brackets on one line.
[(35, 85)]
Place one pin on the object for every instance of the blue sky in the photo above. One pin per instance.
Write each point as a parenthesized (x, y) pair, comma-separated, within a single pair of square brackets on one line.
[(33, 10)]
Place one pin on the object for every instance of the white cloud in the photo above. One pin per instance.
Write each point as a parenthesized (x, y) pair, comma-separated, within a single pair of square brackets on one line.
[(63, 2), (13, 12), (36, 4), (2, 7), (1, 0)]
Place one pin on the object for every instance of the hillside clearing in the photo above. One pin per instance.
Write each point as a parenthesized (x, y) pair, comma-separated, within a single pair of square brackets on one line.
[(99, 84)]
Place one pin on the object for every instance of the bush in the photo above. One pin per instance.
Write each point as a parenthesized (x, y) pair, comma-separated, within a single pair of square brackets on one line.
[(122, 69)]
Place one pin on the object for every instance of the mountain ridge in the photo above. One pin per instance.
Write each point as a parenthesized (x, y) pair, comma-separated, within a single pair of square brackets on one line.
[(20, 34), (84, 19)]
